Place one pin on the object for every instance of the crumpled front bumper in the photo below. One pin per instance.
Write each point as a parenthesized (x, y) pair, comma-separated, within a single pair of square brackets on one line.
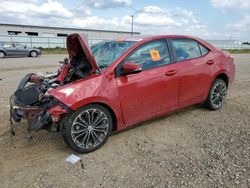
[(38, 117), (16, 112), (40, 111)]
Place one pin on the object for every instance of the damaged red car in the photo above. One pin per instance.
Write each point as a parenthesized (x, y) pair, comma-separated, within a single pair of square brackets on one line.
[(115, 84)]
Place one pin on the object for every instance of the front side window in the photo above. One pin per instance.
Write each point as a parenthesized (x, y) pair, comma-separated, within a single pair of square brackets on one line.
[(185, 49), (150, 55), (18, 45)]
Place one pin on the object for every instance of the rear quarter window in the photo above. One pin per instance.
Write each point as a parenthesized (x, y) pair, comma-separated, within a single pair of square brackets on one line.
[(204, 50)]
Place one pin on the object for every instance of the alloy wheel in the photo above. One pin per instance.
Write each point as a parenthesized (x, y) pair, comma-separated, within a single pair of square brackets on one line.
[(2, 55), (33, 54), (219, 94), (89, 128)]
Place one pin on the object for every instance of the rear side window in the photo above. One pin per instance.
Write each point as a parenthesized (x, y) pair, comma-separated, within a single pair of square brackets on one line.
[(204, 50), (8, 45), (186, 49)]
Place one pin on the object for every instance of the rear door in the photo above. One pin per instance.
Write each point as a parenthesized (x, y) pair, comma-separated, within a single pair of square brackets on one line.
[(194, 62), (153, 91)]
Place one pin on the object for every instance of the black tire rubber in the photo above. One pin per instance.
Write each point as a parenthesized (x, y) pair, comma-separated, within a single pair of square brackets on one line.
[(208, 103), (68, 122)]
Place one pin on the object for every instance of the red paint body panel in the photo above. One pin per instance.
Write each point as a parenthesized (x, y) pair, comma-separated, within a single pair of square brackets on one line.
[(148, 94), (96, 89), (138, 97), (195, 79)]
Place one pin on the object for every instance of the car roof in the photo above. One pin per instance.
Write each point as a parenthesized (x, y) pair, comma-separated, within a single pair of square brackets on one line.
[(150, 37), (155, 37)]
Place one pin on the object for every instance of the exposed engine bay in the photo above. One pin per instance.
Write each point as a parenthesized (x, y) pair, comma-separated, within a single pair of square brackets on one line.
[(31, 99)]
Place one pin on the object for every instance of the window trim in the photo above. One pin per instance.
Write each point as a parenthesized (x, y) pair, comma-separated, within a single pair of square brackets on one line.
[(118, 71), (188, 39)]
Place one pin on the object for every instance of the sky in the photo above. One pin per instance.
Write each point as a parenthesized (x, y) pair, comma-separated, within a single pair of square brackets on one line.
[(208, 19)]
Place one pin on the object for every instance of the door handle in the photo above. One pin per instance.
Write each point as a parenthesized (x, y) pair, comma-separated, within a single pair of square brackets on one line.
[(170, 73), (210, 62)]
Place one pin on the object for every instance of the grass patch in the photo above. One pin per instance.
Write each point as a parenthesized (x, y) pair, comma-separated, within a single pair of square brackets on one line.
[(54, 50), (242, 51)]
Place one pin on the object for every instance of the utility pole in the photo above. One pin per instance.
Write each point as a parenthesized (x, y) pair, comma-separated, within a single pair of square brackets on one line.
[(132, 25)]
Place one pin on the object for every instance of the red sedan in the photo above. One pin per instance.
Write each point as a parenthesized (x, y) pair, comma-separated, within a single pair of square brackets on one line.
[(115, 84)]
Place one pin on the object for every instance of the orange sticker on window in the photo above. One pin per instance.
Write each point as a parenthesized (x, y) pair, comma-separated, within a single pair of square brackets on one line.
[(155, 55)]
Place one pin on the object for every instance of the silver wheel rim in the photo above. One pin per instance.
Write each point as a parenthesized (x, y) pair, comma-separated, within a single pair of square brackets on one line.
[(89, 128), (218, 94), (33, 54), (1, 55)]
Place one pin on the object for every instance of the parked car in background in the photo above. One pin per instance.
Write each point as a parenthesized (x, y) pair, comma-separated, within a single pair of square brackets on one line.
[(8, 49), (116, 84)]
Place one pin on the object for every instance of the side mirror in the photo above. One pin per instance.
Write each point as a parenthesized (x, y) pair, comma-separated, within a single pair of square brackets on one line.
[(25, 46), (131, 68)]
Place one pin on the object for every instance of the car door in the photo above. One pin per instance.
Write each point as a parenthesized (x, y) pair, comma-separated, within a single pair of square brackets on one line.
[(153, 91), (9, 49), (21, 49), (194, 61)]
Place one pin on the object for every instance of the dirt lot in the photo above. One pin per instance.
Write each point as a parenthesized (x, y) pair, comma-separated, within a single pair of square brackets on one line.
[(191, 148)]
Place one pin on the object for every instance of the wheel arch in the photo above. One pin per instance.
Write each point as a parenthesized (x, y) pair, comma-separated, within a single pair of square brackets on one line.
[(3, 52), (114, 118), (223, 76), (114, 128)]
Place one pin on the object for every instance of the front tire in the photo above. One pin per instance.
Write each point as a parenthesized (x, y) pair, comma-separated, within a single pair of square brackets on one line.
[(88, 128), (33, 54), (217, 95)]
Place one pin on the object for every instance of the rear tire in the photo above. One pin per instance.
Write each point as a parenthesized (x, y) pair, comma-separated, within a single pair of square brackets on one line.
[(2, 54), (217, 95), (88, 128)]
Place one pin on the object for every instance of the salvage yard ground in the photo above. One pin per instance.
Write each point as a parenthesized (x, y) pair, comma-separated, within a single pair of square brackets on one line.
[(193, 147)]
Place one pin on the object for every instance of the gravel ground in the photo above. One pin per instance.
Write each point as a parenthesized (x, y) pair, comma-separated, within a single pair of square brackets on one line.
[(193, 147)]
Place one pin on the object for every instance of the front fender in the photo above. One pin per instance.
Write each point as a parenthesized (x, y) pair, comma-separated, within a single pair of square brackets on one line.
[(95, 89), (74, 93)]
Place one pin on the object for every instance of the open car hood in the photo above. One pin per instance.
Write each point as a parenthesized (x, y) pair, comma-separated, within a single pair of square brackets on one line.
[(77, 44)]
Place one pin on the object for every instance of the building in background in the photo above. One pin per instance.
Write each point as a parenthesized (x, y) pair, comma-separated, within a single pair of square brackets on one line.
[(51, 37)]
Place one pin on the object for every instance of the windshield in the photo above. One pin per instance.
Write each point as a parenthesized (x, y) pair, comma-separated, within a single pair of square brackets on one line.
[(107, 52)]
